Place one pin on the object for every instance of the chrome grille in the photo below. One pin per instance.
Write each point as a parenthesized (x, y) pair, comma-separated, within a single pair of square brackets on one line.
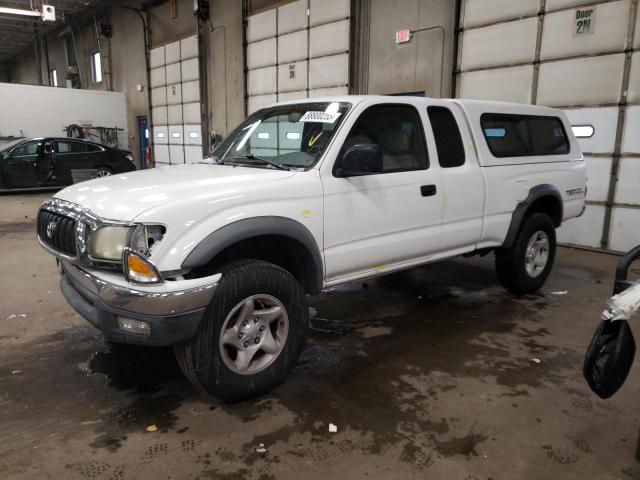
[(57, 231)]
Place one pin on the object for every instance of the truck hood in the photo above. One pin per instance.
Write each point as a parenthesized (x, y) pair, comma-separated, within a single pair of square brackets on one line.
[(125, 196)]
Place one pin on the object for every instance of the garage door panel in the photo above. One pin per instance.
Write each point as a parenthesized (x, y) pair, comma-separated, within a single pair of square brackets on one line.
[(161, 135), (158, 77), (159, 115), (174, 94), (624, 228), (329, 39), (631, 138), (558, 39), (192, 134), (191, 91), (584, 81), (176, 153), (261, 54), (287, 96), (189, 47), (481, 12), (190, 70), (628, 188), (261, 26), (328, 92), (292, 77), (604, 122), (161, 155), (173, 73), (172, 52), (260, 101), (598, 174), (559, 4), (506, 84), (292, 47), (176, 133), (159, 96), (193, 153), (261, 81), (329, 71), (174, 114), (585, 230), (191, 113), (487, 47), (325, 11), (292, 17), (633, 92), (156, 57)]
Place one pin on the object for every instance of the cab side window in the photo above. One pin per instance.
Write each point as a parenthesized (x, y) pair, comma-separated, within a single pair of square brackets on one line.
[(70, 147), (28, 148), (398, 130), (93, 148), (447, 136)]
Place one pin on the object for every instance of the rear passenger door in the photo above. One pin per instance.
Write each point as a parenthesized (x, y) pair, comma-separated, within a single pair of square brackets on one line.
[(69, 155), (377, 221), (461, 178)]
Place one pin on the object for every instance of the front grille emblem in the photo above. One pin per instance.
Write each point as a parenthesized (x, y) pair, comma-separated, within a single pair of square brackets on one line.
[(51, 227)]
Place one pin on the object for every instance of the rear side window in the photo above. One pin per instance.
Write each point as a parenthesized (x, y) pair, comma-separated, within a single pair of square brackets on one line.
[(93, 148), (524, 135), (70, 147), (448, 138)]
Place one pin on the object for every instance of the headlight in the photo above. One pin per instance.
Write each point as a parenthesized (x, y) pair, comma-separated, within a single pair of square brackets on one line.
[(107, 243)]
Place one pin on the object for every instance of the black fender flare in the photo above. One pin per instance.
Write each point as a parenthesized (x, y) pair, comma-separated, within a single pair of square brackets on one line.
[(535, 193), (248, 228)]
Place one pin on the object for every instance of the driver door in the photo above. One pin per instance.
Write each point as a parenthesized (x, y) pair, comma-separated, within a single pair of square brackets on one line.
[(20, 166), (376, 222)]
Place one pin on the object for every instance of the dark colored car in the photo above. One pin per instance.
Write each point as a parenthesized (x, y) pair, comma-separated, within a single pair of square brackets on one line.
[(48, 162)]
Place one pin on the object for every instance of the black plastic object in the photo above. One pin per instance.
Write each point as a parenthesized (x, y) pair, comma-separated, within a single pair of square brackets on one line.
[(609, 357)]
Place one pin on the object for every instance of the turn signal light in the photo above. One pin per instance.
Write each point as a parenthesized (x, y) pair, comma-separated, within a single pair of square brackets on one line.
[(139, 269)]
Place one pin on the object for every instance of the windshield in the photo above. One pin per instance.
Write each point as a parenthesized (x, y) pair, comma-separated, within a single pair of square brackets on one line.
[(286, 136), (7, 145)]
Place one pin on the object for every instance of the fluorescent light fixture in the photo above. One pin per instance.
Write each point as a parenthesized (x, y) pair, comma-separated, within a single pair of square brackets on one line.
[(193, 134), (263, 135), (175, 134), (293, 136)]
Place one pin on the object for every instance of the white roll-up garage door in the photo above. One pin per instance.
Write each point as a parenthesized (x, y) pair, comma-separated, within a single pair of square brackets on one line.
[(175, 102), (575, 55), (298, 50)]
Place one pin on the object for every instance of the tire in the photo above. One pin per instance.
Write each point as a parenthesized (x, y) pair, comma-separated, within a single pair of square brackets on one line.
[(275, 301), (102, 172), (520, 273)]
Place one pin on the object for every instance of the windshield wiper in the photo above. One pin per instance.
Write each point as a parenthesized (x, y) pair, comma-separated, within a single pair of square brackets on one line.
[(264, 161)]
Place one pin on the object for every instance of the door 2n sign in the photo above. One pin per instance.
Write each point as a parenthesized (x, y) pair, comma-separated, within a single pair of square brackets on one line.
[(585, 19)]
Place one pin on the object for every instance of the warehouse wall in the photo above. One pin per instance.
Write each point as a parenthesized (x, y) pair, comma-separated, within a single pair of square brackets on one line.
[(535, 51)]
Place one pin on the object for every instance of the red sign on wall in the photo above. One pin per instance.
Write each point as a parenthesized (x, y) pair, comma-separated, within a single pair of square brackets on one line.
[(403, 36)]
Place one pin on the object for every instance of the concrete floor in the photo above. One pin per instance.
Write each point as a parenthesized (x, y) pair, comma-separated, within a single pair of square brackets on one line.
[(436, 372)]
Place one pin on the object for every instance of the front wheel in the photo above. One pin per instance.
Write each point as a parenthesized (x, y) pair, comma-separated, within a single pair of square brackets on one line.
[(250, 336), (102, 172), (525, 266)]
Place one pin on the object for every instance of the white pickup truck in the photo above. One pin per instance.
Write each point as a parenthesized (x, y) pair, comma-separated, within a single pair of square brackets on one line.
[(216, 258)]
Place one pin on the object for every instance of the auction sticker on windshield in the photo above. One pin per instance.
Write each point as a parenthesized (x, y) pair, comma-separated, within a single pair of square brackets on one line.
[(320, 117)]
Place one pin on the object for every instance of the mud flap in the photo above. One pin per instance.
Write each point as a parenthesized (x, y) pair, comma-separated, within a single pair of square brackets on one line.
[(609, 357)]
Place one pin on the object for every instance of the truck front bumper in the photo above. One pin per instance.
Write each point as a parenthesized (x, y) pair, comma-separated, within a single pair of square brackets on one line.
[(164, 314)]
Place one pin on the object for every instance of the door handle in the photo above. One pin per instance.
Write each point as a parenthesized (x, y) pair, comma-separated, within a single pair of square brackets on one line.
[(428, 190)]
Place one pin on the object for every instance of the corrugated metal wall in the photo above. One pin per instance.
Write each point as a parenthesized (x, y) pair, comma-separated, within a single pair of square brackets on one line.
[(298, 50), (175, 102), (544, 51)]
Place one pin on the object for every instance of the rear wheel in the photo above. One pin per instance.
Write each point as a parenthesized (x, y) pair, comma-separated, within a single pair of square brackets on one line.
[(250, 336), (525, 266), (102, 172)]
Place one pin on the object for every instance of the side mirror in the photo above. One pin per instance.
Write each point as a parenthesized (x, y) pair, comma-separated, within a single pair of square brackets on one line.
[(48, 148), (5, 155), (362, 159)]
